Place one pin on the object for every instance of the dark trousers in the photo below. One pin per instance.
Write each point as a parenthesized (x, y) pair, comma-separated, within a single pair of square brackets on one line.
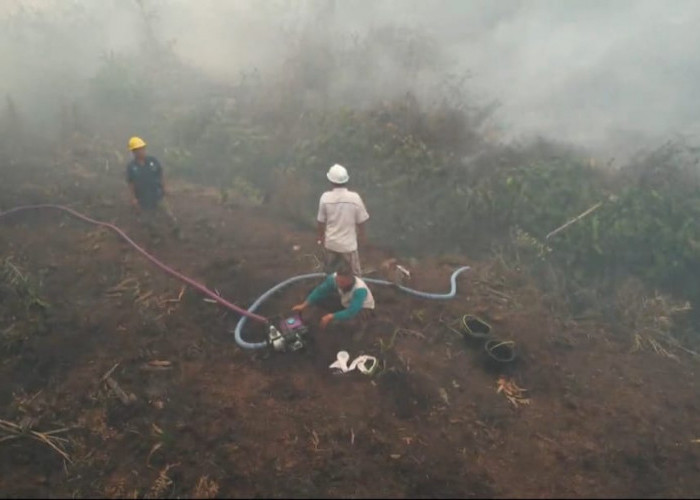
[(155, 218)]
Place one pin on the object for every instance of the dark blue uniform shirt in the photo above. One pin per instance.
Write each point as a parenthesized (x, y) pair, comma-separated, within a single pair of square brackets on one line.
[(147, 180)]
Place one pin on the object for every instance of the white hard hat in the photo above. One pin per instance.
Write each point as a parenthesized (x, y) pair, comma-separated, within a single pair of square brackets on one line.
[(337, 174)]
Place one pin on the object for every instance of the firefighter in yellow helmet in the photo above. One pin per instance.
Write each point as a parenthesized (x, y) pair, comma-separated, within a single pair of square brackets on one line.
[(144, 175)]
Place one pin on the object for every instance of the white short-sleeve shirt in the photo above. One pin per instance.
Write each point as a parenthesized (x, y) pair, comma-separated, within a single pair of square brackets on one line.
[(341, 210)]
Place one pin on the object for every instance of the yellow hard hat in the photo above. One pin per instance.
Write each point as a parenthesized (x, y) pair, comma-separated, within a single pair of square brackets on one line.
[(136, 143)]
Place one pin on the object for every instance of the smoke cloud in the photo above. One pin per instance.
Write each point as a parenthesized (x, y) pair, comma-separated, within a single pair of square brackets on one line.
[(607, 75)]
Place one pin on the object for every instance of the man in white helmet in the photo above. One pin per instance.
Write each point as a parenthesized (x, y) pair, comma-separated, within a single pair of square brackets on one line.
[(341, 219)]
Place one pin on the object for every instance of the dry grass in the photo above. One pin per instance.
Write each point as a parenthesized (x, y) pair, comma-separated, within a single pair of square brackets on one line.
[(120, 489), (145, 299), (205, 488), (314, 262), (162, 483), (650, 319), (513, 393), (95, 421), (12, 276), (23, 309), (10, 431)]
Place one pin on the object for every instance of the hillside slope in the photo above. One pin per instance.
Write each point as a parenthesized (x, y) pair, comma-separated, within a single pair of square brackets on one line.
[(601, 422)]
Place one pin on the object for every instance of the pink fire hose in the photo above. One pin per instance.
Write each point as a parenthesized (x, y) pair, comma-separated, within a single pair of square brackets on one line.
[(143, 252)]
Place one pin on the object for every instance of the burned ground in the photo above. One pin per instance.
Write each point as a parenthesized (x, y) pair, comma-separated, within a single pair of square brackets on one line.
[(602, 420)]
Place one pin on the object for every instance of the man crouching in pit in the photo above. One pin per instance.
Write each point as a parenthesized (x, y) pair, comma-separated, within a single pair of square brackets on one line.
[(356, 300)]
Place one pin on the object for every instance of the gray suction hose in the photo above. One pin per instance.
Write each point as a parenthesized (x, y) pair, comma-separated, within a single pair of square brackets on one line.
[(424, 295)]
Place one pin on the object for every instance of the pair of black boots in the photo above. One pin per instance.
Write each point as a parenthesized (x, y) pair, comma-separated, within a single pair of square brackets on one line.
[(500, 353)]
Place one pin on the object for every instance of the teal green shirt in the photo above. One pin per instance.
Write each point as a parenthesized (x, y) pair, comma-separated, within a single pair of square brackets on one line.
[(328, 287)]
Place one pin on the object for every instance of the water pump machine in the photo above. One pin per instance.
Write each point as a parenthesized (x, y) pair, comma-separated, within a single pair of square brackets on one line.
[(291, 334)]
